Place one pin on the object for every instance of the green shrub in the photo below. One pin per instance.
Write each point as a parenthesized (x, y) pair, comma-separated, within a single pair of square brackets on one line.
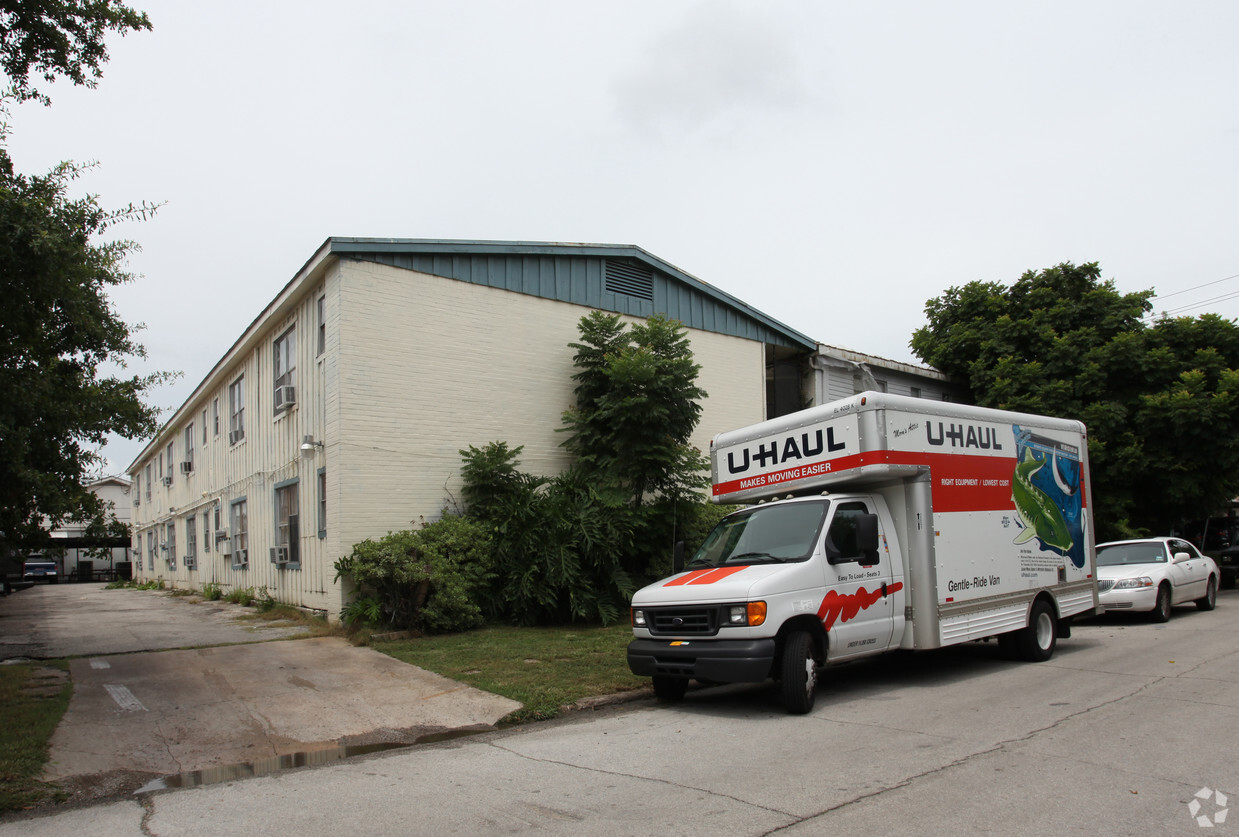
[(426, 579), (212, 591), (240, 595)]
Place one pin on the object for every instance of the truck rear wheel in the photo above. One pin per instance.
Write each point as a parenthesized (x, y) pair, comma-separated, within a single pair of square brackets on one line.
[(670, 689), (799, 670), (1036, 642)]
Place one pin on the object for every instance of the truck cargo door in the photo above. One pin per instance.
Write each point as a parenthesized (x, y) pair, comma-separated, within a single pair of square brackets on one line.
[(862, 595)]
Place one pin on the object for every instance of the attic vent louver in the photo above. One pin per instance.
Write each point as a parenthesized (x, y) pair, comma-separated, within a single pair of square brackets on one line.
[(631, 279)]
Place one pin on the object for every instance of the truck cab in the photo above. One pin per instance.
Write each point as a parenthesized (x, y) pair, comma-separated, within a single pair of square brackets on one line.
[(749, 605)]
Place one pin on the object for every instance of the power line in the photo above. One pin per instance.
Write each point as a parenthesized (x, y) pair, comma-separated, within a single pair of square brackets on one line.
[(1202, 304), (1198, 287)]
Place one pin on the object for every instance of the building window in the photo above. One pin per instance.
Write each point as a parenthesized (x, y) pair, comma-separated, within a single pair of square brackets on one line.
[(191, 542), (916, 392), (159, 462), (204, 430), (322, 502), (215, 415), (188, 464), (287, 528), (148, 481), (137, 489), (285, 370), (171, 463), (322, 326), (236, 410), (240, 533), (206, 532), (170, 545), (150, 549)]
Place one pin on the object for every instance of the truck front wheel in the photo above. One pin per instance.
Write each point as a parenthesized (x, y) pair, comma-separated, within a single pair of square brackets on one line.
[(670, 689), (1036, 642), (799, 672)]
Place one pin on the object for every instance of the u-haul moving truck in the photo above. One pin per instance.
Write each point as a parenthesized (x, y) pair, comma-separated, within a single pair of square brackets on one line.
[(882, 522)]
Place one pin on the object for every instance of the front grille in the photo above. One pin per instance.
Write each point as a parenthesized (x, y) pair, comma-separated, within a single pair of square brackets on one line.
[(1105, 584), (682, 621)]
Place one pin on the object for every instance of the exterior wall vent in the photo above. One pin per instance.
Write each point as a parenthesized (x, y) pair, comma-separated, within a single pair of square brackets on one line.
[(630, 278)]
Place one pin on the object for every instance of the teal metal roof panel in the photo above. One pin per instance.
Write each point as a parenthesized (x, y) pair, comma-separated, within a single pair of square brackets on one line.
[(609, 277)]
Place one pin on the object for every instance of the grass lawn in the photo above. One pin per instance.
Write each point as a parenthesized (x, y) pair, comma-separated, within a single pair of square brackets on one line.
[(543, 668), (34, 697)]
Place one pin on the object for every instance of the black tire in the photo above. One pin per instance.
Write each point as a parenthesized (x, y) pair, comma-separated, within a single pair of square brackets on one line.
[(1209, 600), (1161, 610), (670, 689), (1036, 641), (799, 670)]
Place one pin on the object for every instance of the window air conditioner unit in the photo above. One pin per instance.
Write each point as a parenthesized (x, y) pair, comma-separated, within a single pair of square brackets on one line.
[(235, 436), (191, 562), (221, 535), (285, 397), (242, 557), (164, 546), (167, 480), (279, 555), (187, 466)]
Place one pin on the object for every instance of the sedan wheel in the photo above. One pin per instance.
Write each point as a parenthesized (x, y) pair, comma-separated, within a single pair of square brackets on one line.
[(1161, 610), (1210, 598)]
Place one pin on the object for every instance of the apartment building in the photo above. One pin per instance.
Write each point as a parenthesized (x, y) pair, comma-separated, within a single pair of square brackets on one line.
[(340, 412)]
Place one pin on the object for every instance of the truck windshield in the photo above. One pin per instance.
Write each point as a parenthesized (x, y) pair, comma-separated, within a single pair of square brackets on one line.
[(763, 535)]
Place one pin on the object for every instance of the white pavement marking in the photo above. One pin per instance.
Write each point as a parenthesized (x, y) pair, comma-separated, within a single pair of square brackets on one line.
[(124, 698), (100, 664)]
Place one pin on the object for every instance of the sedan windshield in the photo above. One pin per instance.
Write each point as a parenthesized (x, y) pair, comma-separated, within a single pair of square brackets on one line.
[(763, 535), (1131, 553)]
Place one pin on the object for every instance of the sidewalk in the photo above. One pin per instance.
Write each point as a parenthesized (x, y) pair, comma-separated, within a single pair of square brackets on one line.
[(141, 711)]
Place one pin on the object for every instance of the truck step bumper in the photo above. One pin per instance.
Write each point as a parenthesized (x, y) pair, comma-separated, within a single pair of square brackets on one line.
[(722, 661)]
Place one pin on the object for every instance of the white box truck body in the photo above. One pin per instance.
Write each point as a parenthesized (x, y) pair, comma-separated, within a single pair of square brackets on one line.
[(882, 522)]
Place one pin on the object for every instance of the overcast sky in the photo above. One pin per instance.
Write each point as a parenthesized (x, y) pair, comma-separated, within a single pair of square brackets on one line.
[(834, 165)]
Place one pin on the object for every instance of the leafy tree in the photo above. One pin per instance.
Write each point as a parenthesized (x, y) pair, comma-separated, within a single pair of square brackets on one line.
[(559, 542), (63, 349), (637, 406), (1161, 402), (574, 546), (59, 39)]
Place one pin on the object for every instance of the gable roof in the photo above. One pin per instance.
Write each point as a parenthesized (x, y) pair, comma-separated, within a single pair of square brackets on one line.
[(611, 277)]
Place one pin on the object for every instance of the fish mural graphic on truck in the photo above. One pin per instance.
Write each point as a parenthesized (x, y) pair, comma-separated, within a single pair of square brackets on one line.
[(1045, 489)]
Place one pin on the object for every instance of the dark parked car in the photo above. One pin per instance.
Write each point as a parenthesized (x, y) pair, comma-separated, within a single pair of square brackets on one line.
[(1228, 563), (41, 571)]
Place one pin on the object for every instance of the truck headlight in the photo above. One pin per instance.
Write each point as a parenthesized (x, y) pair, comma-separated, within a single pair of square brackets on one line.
[(638, 618), (1133, 583), (749, 615)]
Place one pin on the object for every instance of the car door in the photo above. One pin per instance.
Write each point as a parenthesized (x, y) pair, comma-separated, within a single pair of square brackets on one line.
[(1191, 577), (861, 598)]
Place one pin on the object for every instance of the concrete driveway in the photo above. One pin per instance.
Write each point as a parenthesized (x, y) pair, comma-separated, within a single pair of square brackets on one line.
[(151, 700)]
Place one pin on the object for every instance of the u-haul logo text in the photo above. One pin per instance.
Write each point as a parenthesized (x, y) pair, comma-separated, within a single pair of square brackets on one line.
[(790, 448)]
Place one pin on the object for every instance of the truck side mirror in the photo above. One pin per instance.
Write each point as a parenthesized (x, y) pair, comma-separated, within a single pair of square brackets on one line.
[(677, 557)]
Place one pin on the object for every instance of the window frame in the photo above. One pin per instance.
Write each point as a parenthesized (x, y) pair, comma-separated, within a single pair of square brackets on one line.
[(288, 520), (284, 367), (236, 410), (239, 536)]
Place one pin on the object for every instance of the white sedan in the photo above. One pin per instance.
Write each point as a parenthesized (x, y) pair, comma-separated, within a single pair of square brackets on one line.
[(1155, 574)]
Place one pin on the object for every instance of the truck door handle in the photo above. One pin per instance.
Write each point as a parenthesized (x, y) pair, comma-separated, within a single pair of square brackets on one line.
[(883, 589)]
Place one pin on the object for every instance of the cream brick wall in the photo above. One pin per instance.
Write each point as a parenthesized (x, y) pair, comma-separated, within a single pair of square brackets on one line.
[(429, 366), (416, 368)]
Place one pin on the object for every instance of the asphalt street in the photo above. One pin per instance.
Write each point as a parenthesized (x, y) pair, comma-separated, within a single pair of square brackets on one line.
[(1130, 729)]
